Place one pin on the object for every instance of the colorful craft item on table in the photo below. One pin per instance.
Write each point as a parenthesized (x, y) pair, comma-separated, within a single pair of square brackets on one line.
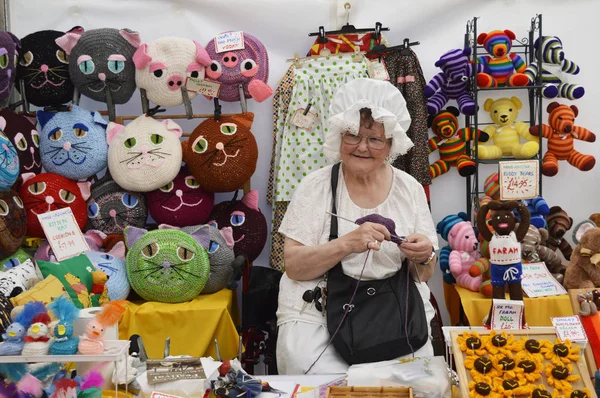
[(222, 154), (113, 265), (472, 343), (101, 62), (37, 338), (501, 67), (451, 143), (511, 387), (144, 155), (248, 66), (561, 132), (529, 349), (506, 133), (92, 342), (560, 377), (9, 50), (182, 202), (13, 223), (10, 165), (483, 387), (500, 344), (554, 65), (111, 208), (14, 336), (167, 265), (480, 366), (16, 280), (247, 222), (558, 223), (561, 352), (64, 343), (452, 82), (529, 371), (73, 142), (47, 192), (44, 68), (22, 133), (164, 66)]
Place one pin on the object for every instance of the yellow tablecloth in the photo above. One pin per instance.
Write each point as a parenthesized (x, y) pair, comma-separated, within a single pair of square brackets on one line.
[(537, 310), (192, 325)]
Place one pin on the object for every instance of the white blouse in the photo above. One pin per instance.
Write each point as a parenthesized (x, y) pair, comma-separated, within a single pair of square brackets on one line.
[(307, 222)]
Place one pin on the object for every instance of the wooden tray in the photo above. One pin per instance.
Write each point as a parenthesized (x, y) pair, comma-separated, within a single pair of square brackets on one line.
[(369, 392), (579, 367), (589, 355)]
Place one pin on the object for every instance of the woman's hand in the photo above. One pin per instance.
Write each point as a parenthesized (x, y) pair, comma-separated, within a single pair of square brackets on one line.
[(417, 247), (368, 236)]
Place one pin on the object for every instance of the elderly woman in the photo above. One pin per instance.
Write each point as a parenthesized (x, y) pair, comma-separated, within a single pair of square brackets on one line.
[(367, 125)]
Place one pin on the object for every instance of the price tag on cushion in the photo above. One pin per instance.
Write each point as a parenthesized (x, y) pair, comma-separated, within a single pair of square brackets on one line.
[(203, 87), (63, 233), (229, 41), (377, 70), (507, 314), (303, 121), (569, 327)]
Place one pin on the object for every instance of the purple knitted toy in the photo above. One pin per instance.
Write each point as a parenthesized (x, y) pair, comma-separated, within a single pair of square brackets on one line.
[(386, 222), (9, 53)]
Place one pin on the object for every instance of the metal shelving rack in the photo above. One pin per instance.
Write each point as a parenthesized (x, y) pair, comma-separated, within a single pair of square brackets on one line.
[(526, 50)]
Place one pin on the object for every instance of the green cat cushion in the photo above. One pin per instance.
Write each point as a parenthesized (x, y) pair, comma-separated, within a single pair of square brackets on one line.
[(76, 276)]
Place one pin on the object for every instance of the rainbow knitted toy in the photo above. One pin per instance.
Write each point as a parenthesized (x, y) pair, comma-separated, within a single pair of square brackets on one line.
[(451, 143), (500, 66), (554, 67), (452, 82)]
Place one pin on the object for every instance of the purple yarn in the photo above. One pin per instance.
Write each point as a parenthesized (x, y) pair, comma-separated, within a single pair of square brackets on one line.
[(386, 222)]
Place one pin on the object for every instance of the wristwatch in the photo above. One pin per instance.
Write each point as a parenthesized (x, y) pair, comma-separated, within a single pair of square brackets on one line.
[(429, 259)]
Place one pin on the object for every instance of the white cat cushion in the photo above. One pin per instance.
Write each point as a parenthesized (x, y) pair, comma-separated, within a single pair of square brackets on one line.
[(164, 65), (144, 155), (18, 279)]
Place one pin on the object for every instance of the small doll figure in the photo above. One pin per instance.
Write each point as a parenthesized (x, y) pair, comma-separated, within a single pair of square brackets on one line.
[(37, 339), (14, 338), (64, 342), (504, 247), (92, 342)]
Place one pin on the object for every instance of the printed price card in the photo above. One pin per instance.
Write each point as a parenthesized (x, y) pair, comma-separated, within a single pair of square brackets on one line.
[(519, 179), (229, 41), (507, 314), (569, 327), (63, 233), (537, 281)]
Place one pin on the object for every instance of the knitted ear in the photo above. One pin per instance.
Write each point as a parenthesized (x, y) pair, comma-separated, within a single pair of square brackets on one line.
[(69, 40), (173, 127), (16, 40), (132, 234), (227, 234), (453, 110), (487, 105), (98, 119), (202, 56), (118, 250), (251, 200), (244, 119), (167, 226), (132, 37), (86, 189), (466, 51), (112, 130), (201, 235), (575, 110), (141, 57), (510, 34), (481, 38), (581, 229), (44, 117), (27, 176), (552, 106), (517, 102), (95, 237)]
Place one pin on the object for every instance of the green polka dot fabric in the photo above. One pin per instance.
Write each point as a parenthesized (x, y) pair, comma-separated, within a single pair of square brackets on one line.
[(301, 150)]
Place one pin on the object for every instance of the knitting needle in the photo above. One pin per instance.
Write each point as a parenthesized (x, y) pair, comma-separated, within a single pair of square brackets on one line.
[(400, 238)]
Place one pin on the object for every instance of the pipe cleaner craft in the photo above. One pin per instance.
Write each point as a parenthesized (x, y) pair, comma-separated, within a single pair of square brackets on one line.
[(14, 337), (92, 342), (64, 342), (37, 338), (501, 67)]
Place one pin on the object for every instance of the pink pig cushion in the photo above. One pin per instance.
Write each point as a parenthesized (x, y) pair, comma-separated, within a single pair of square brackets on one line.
[(164, 66)]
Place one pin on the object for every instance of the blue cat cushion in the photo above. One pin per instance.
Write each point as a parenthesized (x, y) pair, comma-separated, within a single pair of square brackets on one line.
[(73, 143), (113, 265)]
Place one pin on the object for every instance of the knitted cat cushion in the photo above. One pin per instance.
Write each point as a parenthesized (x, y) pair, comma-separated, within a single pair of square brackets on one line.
[(167, 265), (101, 61), (182, 202), (164, 66), (113, 265), (73, 143), (247, 221), (21, 131), (48, 191), (248, 66), (9, 160), (9, 53), (144, 155), (222, 154), (111, 208), (13, 223), (44, 68)]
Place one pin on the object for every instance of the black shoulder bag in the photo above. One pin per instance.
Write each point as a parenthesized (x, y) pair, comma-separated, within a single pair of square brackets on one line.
[(385, 319)]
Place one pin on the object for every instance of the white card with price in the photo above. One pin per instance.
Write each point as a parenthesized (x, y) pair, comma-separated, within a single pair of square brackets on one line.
[(569, 327), (303, 121)]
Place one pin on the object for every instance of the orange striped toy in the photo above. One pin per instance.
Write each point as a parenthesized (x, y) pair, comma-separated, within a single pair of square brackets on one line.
[(561, 132)]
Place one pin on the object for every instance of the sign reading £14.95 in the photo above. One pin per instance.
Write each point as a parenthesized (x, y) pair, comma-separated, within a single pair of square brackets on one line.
[(519, 179), (63, 233)]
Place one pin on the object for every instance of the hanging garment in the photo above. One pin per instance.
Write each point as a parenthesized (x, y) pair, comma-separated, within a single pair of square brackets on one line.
[(346, 43), (406, 74)]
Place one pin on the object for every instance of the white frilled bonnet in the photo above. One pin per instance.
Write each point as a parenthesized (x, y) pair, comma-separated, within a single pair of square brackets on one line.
[(387, 106)]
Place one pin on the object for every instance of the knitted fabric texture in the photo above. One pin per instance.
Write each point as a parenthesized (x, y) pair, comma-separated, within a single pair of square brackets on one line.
[(18, 258), (222, 154), (13, 223), (36, 348), (16, 280), (22, 133), (66, 347), (66, 313), (145, 155), (102, 60), (386, 222), (9, 48), (49, 191), (44, 68), (6, 307), (444, 226), (182, 202), (113, 265), (247, 221), (111, 208), (249, 67), (164, 66), (10, 165), (167, 265), (90, 347), (15, 332), (73, 143), (491, 186)]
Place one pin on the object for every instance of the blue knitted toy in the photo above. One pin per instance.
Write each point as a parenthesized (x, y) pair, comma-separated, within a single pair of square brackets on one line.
[(64, 342), (443, 228), (9, 166), (113, 265), (73, 143), (539, 209), (14, 337)]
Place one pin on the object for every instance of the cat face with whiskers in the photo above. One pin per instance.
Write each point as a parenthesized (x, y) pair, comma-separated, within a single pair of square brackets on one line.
[(21, 131), (9, 54), (13, 223), (9, 160)]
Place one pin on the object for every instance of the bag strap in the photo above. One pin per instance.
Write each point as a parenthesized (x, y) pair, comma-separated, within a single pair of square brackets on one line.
[(335, 173)]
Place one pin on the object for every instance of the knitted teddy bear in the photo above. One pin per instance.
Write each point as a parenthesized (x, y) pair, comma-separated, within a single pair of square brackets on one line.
[(584, 270), (554, 67), (534, 251), (538, 210), (558, 223), (451, 143), (561, 131), (452, 82), (501, 67), (506, 131)]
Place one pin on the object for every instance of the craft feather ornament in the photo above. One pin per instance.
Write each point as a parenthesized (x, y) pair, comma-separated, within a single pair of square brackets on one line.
[(14, 337), (37, 338), (92, 342), (64, 342)]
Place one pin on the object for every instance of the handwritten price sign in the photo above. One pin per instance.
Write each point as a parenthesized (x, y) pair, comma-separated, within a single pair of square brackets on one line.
[(229, 41), (537, 281), (63, 233), (519, 180), (203, 87), (507, 314), (569, 327)]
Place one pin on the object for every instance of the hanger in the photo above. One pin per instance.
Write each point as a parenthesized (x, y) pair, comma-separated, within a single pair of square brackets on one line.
[(404, 47), (217, 112), (357, 56), (348, 28)]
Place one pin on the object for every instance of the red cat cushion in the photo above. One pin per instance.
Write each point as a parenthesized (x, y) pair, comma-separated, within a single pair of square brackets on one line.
[(222, 154), (48, 191)]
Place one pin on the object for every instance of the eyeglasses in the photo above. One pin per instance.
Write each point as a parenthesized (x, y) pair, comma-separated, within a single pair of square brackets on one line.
[(372, 142)]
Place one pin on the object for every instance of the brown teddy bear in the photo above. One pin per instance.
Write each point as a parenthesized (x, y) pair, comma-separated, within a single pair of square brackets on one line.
[(584, 270)]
